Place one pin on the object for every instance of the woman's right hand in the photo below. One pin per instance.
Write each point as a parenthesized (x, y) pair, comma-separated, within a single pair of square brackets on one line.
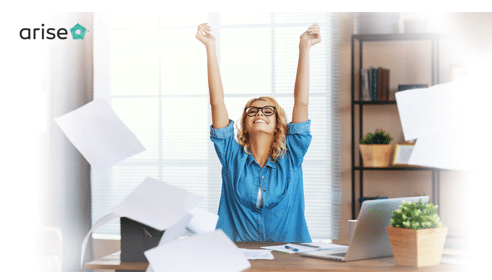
[(203, 35)]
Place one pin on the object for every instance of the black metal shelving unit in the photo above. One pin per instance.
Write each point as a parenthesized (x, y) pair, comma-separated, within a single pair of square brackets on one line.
[(361, 38)]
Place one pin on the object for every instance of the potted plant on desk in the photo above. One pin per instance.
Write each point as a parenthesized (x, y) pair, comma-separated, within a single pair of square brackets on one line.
[(376, 149), (416, 234)]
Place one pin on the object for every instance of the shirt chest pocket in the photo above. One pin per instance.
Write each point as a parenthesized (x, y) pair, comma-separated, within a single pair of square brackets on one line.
[(247, 191), (275, 188), (273, 185)]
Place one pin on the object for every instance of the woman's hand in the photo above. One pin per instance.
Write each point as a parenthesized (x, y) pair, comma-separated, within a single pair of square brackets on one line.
[(311, 36), (203, 35)]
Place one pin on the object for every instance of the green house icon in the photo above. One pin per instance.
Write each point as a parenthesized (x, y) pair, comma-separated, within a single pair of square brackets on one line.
[(78, 31)]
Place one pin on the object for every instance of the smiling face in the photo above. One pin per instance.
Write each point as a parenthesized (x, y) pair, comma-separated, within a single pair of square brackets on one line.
[(260, 123)]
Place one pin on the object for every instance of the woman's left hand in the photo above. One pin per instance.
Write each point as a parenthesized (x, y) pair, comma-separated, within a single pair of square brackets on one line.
[(311, 36)]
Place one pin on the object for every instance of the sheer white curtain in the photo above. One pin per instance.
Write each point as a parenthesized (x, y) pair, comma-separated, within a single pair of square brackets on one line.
[(152, 71)]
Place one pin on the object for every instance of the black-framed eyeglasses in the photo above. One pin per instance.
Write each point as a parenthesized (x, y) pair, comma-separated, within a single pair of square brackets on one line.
[(267, 110)]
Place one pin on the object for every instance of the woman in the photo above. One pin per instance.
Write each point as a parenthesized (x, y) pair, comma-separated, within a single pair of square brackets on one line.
[(262, 189)]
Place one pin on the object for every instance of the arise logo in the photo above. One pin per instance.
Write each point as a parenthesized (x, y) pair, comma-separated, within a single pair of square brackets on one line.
[(78, 33)]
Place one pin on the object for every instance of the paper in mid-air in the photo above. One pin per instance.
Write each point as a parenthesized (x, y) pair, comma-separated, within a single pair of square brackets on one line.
[(439, 118), (206, 252)]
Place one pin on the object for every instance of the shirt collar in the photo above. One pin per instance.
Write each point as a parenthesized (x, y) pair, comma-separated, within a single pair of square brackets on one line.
[(269, 163)]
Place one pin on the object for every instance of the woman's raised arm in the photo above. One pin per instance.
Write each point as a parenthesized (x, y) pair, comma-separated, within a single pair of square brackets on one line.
[(309, 38), (220, 117)]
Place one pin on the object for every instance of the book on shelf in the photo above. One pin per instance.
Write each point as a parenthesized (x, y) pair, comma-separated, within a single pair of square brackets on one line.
[(380, 84), (375, 84), (385, 84), (412, 86), (366, 96)]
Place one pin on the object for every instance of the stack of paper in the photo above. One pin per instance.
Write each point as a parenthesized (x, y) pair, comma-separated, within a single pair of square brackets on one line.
[(303, 247)]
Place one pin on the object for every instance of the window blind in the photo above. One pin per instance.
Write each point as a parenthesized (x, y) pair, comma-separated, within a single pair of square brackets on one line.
[(153, 72)]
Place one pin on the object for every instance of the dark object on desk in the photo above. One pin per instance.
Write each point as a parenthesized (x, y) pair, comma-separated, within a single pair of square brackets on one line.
[(136, 238)]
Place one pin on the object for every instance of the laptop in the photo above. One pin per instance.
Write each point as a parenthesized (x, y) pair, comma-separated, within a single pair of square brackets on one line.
[(370, 238)]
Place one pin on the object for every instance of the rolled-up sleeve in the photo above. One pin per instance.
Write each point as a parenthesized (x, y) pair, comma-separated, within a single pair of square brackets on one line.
[(298, 140), (225, 145)]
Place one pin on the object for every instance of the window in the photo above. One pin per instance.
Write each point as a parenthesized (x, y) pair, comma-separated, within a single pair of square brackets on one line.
[(153, 72)]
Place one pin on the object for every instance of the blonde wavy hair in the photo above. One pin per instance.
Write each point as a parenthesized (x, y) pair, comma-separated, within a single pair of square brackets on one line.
[(279, 147)]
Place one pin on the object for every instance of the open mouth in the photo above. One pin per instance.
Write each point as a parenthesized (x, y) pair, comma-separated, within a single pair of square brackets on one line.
[(260, 121)]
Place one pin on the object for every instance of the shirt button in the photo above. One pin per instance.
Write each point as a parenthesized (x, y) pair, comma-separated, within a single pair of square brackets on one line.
[(264, 190), (263, 177)]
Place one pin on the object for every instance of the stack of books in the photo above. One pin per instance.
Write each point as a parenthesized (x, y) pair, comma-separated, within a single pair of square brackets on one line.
[(375, 84)]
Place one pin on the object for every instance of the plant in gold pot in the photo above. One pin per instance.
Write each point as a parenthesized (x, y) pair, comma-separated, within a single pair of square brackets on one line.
[(416, 234), (376, 149)]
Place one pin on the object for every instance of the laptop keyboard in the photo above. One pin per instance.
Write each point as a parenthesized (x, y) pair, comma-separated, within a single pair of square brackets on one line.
[(339, 254)]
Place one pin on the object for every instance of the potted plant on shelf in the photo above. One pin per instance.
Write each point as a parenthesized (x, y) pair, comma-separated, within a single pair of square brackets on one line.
[(416, 234), (376, 149)]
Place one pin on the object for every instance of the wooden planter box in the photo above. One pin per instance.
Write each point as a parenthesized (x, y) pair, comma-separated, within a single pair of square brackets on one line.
[(376, 155), (417, 247)]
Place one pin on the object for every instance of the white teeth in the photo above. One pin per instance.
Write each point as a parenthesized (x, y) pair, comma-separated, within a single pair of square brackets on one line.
[(262, 121)]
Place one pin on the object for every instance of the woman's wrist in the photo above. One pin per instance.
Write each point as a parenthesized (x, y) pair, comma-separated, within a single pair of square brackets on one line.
[(304, 46), (210, 47)]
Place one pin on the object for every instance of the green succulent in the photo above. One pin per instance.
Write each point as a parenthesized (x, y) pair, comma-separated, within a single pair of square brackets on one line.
[(417, 215), (378, 138)]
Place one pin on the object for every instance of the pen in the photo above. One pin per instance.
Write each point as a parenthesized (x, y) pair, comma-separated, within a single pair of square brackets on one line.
[(148, 233), (309, 245), (291, 248)]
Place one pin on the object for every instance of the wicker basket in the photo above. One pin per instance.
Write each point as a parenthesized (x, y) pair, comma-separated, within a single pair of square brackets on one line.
[(376, 155)]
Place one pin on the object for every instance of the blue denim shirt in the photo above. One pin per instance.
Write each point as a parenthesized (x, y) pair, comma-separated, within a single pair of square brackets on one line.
[(281, 218)]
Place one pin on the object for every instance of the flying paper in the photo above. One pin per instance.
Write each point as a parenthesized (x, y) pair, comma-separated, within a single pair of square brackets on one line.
[(173, 233), (438, 109), (207, 252), (450, 150), (99, 134), (202, 221), (439, 118), (157, 204)]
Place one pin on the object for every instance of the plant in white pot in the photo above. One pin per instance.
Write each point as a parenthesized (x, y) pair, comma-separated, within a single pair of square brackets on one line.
[(416, 234), (376, 149)]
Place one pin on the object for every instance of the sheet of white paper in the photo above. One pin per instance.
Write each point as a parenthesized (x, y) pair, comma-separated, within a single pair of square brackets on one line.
[(99, 134), (202, 221), (434, 110), (257, 254), (207, 252), (157, 204), (450, 150), (281, 248), (322, 245), (98, 224), (173, 233)]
